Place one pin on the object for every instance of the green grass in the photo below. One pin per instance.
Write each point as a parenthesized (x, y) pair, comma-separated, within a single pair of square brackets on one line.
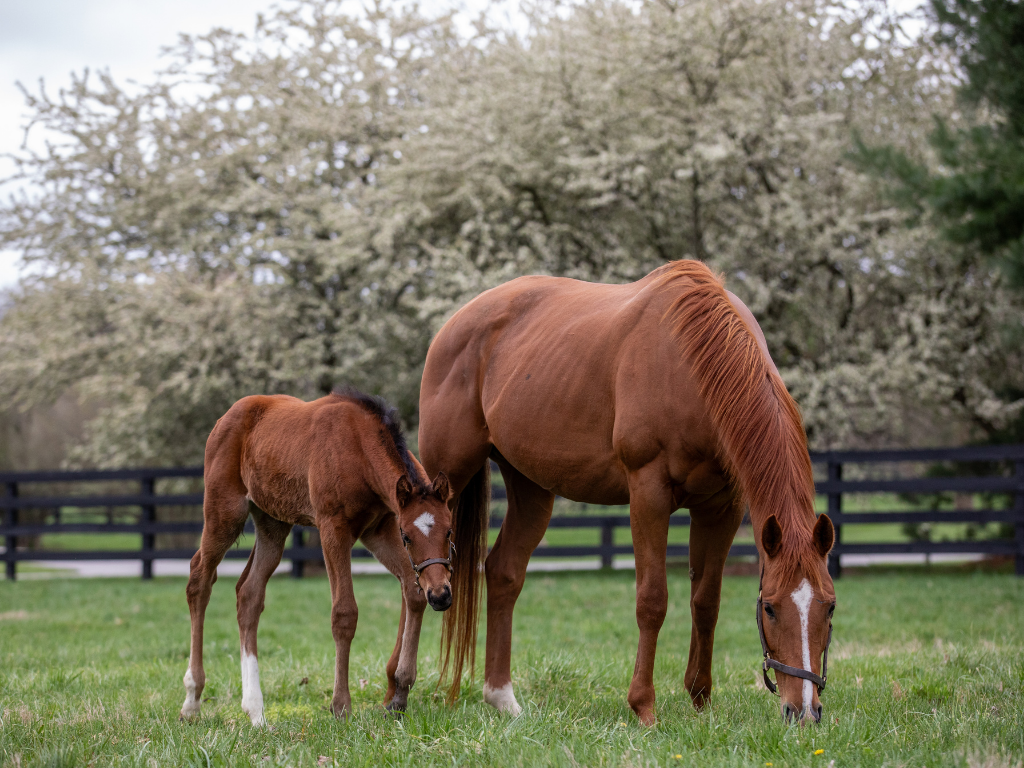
[(926, 669)]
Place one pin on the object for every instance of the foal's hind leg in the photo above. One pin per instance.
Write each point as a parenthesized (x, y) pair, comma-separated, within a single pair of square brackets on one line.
[(529, 512), (251, 590), (712, 529), (385, 543), (224, 513)]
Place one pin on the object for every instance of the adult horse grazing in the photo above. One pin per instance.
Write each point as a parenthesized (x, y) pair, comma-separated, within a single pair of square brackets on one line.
[(659, 393), (339, 463)]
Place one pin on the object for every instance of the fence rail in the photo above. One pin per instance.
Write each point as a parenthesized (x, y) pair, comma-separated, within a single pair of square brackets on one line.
[(1005, 477)]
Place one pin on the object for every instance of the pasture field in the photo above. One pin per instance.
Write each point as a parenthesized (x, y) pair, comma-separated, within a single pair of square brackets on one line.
[(926, 669)]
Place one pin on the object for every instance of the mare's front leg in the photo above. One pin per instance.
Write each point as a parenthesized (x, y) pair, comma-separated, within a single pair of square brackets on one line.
[(713, 526), (336, 539), (251, 591), (650, 505), (528, 515), (385, 542)]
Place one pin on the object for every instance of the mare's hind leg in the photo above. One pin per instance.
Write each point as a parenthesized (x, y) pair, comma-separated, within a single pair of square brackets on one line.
[(336, 539), (224, 512), (529, 511), (385, 542), (713, 526), (251, 590)]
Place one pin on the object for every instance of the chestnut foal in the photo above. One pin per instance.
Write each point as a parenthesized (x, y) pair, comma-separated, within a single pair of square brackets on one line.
[(339, 463)]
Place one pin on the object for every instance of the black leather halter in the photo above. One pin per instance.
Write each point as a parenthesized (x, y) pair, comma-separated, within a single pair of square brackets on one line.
[(770, 663), (445, 561)]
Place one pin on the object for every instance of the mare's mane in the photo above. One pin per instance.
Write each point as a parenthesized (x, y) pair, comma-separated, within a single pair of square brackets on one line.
[(392, 436), (760, 431)]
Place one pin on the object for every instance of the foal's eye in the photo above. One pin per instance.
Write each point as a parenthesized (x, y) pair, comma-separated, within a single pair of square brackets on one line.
[(405, 539), (769, 610)]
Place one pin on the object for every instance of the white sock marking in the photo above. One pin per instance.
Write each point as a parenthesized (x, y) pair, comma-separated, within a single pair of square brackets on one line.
[(252, 696), (424, 522), (802, 596), (192, 704), (502, 699)]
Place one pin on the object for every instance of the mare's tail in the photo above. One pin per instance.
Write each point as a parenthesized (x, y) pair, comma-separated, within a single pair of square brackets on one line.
[(469, 533)]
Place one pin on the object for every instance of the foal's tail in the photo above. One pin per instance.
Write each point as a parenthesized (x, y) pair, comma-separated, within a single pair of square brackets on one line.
[(469, 533)]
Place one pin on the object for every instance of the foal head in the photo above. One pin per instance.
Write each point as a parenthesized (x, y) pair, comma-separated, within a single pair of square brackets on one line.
[(426, 526), (795, 607)]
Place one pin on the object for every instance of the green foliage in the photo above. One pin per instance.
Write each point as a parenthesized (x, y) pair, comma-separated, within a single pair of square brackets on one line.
[(924, 670), (976, 190), (306, 206)]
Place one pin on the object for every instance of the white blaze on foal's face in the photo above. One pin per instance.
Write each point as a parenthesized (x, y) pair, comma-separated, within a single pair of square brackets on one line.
[(802, 597), (424, 523)]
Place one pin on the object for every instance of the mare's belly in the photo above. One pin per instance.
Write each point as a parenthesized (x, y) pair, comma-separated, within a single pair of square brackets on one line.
[(571, 469)]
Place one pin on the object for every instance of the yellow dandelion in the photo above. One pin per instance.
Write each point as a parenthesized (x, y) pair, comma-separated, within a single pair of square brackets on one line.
[(768, 765), (819, 751), (678, 757)]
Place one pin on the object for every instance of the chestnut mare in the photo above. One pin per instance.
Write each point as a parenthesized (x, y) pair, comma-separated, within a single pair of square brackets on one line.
[(339, 463), (660, 394)]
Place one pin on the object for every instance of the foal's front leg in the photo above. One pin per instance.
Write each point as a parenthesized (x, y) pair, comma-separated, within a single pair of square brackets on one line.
[(336, 539), (385, 542)]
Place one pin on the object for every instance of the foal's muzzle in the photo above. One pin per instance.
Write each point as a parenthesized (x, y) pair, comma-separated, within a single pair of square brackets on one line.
[(440, 599)]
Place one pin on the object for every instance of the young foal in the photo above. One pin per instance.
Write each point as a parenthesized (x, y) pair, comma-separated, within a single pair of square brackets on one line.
[(659, 394), (339, 463)]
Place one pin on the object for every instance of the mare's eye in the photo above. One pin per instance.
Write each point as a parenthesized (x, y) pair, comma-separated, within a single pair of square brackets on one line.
[(769, 610), (405, 539), (831, 610)]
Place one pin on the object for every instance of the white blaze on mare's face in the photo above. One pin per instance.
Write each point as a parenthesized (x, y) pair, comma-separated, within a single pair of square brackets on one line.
[(252, 696), (502, 699), (424, 522), (802, 597)]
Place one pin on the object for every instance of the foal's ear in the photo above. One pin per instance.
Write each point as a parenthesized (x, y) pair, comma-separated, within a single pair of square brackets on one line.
[(771, 536), (824, 535), (403, 491), (441, 488)]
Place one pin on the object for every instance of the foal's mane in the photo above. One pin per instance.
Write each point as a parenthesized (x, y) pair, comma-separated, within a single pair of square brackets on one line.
[(760, 431), (392, 436)]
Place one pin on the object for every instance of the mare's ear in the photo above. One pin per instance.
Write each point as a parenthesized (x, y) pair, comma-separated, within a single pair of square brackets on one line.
[(441, 488), (403, 491), (771, 536), (824, 535)]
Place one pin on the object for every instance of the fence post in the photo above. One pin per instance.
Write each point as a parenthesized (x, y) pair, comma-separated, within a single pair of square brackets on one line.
[(1018, 507), (835, 508), (148, 518), (298, 541), (12, 541), (607, 542)]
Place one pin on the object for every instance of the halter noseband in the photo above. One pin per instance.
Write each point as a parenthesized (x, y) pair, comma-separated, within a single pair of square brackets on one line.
[(445, 561), (770, 663)]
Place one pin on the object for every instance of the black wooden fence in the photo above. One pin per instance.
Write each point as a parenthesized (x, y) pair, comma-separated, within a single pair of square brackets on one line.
[(997, 472)]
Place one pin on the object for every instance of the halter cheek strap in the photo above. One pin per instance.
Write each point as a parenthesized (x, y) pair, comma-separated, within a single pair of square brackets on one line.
[(770, 663), (445, 561)]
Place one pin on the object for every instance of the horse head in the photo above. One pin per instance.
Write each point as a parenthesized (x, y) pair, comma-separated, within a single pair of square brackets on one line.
[(795, 603), (425, 523)]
